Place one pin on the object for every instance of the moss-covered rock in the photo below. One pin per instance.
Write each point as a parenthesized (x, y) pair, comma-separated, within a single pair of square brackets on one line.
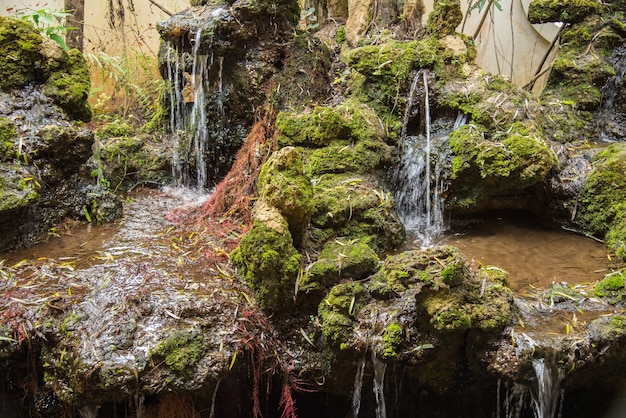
[(602, 204), (20, 58), (268, 260), (483, 168), (566, 11), (340, 259), (69, 86), (8, 135), (180, 350), (355, 207), (612, 288), (350, 121), (129, 160), (17, 188), (337, 310), (393, 337), (444, 18), (449, 296), (384, 73), (282, 184)]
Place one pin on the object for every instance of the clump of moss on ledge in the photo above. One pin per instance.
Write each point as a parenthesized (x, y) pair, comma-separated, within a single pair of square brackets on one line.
[(393, 337), (483, 168), (612, 288), (566, 11)]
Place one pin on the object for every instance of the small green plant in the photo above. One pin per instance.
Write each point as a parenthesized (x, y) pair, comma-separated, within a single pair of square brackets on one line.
[(308, 19), (51, 23)]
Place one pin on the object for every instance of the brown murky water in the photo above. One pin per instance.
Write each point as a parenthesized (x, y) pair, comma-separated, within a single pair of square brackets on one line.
[(534, 256)]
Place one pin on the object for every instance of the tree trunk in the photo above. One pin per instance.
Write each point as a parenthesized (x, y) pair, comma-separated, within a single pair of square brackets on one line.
[(77, 22)]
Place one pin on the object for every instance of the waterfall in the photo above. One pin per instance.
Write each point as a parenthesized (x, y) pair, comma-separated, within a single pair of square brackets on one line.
[(419, 177), (612, 113), (358, 384), (379, 382), (545, 400), (188, 115)]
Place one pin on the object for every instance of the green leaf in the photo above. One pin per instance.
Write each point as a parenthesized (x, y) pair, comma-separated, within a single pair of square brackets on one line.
[(59, 40)]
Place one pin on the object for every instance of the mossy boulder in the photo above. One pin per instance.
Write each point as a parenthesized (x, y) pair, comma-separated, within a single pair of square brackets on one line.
[(69, 86), (417, 299), (282, 184), (355, 207), (602, 204), (449, 296), (444, 18), (28, 58), (490, 101), (8, 134), (20, 58), (129, 160), (483, 168), (267, 259), (340, 259), (566, 11)]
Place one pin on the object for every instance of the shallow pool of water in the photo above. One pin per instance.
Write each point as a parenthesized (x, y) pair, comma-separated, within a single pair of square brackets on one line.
[(534, 256)]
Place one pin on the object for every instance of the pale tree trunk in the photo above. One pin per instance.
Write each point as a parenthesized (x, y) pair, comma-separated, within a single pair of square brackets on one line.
[(76, 21)]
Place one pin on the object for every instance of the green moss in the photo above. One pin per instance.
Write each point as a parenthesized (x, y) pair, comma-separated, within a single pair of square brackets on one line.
[(451, 318), (611, 287), (69, 86), (269, 264), (438, 268), (340, 36), (17, 189), (20, 59), (351, 121), (359, 158), (114, 129), (319, 128), (181, 350), (8, 135), (566, 11), (282, 184), (337, 310), (444, 18), (393, 337), (355, 207), (481, 168), (602, 204), (340, 259)]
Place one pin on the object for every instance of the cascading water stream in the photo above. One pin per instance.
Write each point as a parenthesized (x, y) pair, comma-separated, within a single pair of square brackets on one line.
[(612, 114), (418, 185), (189, 123), (379, 383), (358, 385), (545, 400)]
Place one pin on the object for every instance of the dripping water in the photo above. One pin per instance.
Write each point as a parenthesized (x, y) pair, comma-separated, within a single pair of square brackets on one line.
[(420, 176), (545, 400), (612, 113), (379, 381), (188, 120), (358, 384)]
